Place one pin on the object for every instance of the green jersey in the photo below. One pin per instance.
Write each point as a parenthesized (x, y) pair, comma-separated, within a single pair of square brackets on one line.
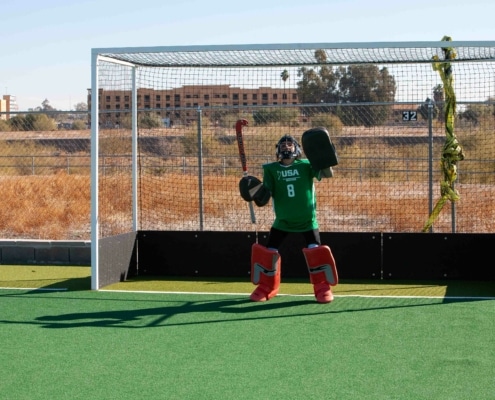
[(293, 194)]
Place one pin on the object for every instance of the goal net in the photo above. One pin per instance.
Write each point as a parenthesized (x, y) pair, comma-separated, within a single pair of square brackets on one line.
[(412, 124)]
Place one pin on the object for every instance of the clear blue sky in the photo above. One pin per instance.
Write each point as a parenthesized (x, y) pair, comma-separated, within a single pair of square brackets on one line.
[(45, 51)]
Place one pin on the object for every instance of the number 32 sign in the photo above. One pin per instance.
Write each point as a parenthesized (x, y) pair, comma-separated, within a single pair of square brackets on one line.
[(409, 115)]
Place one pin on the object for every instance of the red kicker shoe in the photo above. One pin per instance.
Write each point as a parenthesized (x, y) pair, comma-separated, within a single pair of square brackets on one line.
[(263, 293), (323, 293)]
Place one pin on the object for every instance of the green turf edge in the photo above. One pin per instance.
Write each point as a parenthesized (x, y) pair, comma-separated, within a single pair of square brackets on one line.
[(50, 277), (303, 287)]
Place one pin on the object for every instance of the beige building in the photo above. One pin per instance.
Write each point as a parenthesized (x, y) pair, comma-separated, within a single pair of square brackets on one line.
[(180, 105), (8, 105), (3, 108)]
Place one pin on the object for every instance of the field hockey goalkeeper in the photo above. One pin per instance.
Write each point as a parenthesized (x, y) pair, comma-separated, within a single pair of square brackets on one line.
[(289, 183)]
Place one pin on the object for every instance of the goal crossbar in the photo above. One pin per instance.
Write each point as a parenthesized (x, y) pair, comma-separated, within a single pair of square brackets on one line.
[(297, 53)]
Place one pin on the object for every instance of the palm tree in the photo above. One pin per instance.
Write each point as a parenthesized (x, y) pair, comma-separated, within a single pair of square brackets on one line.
[(284, 75)]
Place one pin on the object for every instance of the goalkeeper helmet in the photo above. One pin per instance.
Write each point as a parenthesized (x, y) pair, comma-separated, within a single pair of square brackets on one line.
[(287, 148)]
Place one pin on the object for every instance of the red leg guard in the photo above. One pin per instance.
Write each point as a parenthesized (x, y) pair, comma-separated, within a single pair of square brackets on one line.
[(322, 272), (321, 265), (265, 272)]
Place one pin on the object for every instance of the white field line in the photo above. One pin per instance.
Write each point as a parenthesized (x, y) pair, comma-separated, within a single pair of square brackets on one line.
[(307, 295), (279, 295), (39, 289)]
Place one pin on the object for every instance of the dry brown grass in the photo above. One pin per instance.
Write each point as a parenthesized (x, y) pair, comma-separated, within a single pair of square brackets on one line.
[(45, 207), (57, 207)]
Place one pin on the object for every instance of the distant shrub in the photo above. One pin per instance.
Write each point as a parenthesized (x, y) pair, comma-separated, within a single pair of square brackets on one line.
[(4, 126), (330, 121)]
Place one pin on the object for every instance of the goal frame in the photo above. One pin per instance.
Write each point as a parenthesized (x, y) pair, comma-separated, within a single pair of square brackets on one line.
[(132, 57)]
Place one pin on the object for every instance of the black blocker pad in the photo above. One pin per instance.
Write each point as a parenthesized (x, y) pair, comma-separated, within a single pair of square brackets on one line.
[(319, 149)]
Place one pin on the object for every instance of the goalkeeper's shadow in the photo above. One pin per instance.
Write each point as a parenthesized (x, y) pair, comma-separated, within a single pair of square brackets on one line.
[(162, 315), (207, 311)]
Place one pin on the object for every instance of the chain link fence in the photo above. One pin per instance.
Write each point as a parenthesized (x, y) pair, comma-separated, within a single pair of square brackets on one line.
[(388, 177), (45, 175)]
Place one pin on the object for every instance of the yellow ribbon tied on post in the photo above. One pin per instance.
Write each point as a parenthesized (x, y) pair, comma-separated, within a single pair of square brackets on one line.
[(452, 150)]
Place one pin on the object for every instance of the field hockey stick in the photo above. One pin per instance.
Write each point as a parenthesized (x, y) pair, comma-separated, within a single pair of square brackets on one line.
[(242, 154)]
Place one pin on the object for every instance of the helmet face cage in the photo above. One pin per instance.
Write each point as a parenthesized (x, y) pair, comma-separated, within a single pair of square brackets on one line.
[(284, 155)]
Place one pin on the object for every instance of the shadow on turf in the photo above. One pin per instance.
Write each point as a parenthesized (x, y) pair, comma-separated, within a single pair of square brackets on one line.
[(195, 312), (71, 284)]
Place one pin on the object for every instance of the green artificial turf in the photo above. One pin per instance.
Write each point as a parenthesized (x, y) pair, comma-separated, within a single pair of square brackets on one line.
[(126, 345)]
